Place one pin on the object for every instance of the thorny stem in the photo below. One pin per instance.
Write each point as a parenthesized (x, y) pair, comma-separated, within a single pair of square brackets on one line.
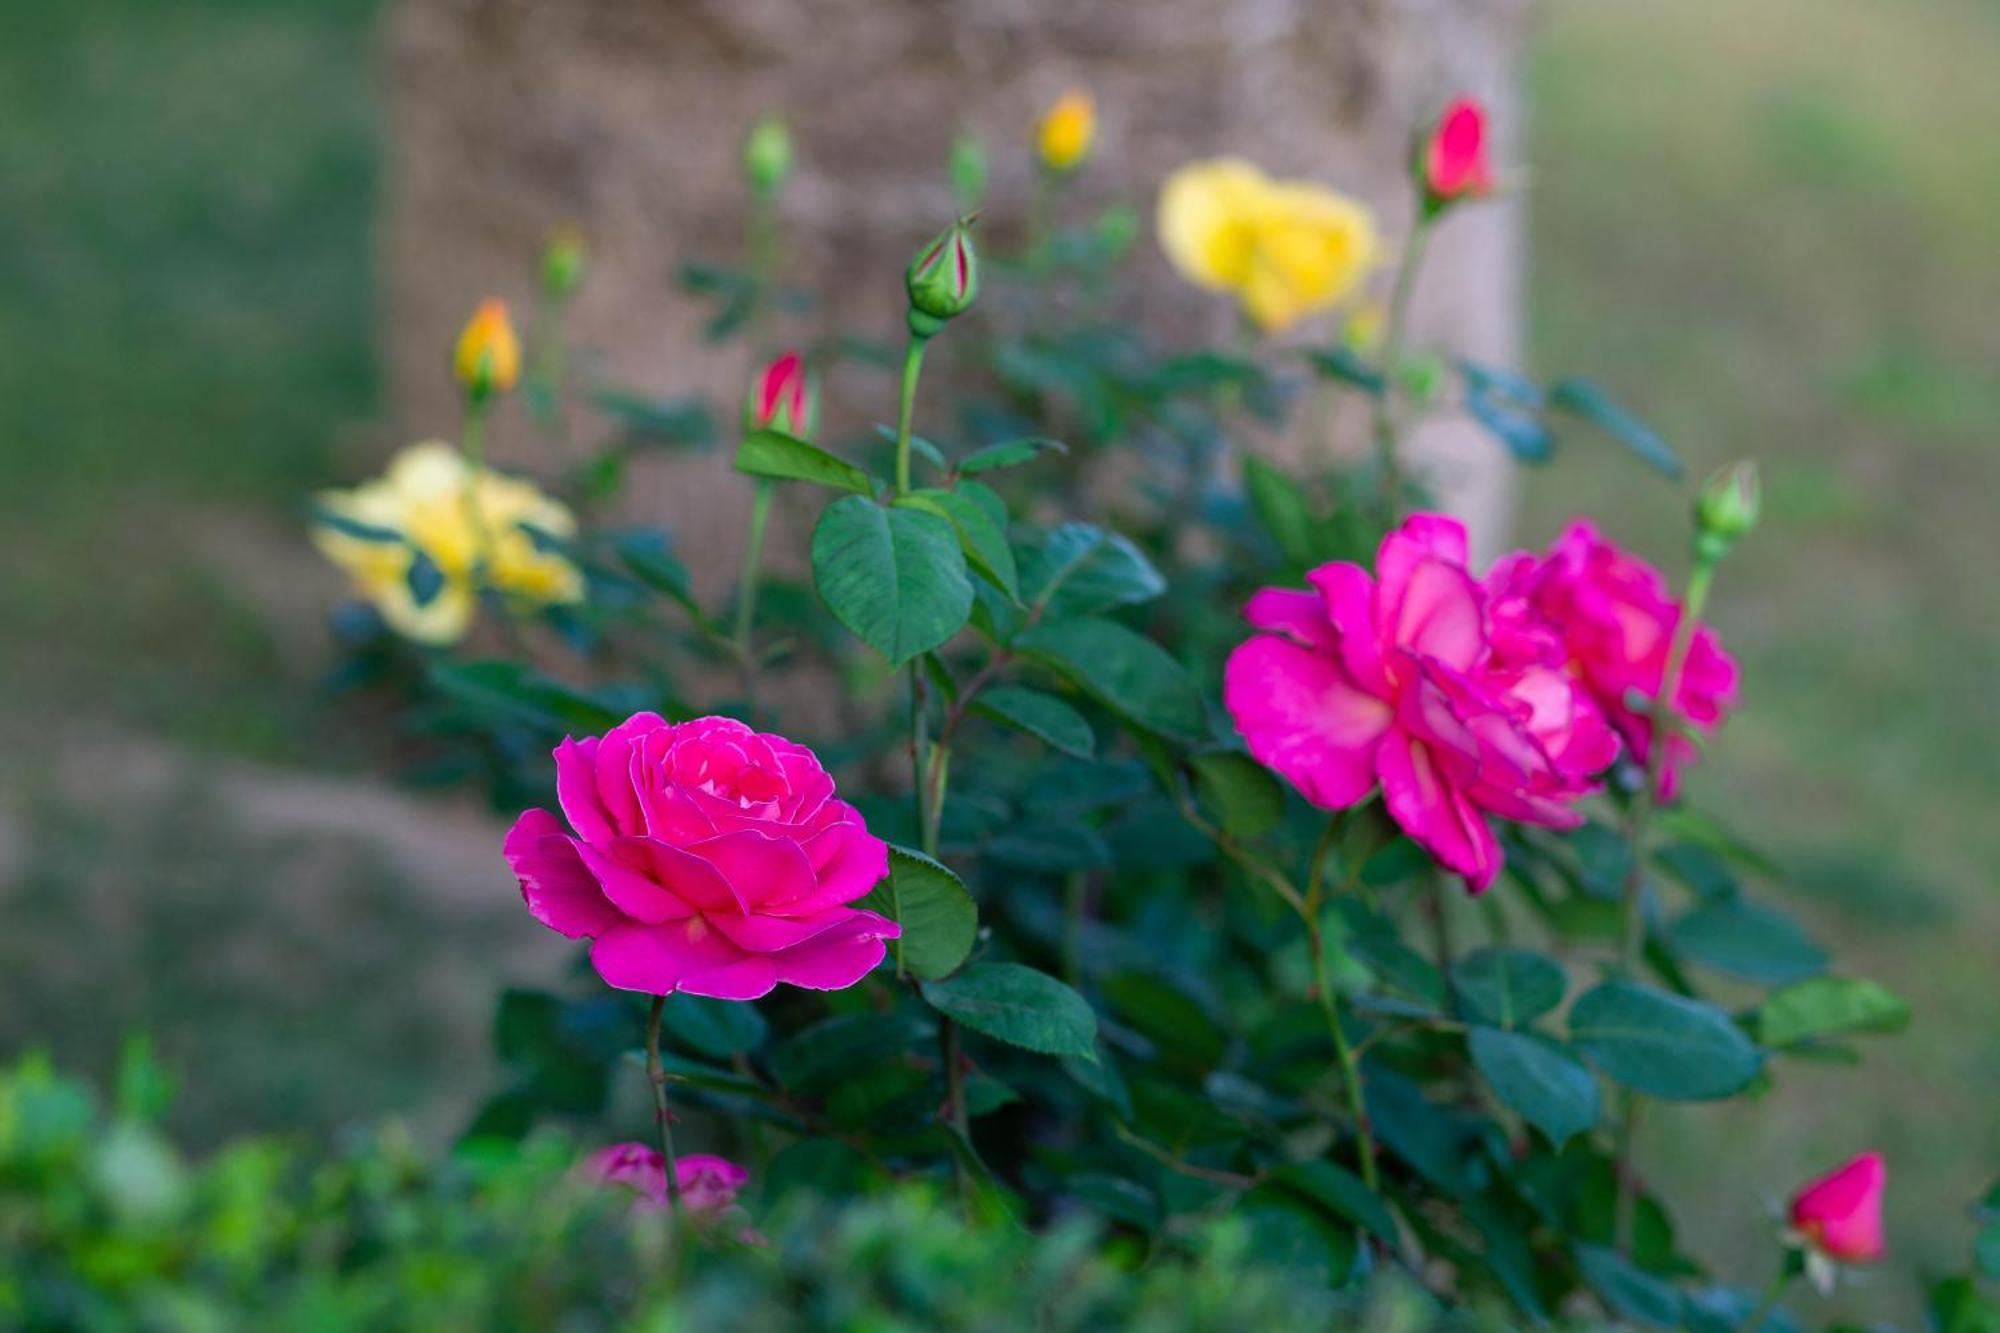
[(657, 1076), (1388, 403), (1638, 827)]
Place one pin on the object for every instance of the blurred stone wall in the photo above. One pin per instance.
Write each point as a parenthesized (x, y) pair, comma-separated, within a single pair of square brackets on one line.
[(624, 117)]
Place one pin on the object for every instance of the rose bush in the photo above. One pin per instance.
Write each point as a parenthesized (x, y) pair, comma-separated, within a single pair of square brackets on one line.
[(1116, 911)]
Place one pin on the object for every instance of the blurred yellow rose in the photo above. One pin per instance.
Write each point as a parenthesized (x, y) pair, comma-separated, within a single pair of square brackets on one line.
[(487, 359), (1067, 130), (1285, 249), (415, 547)]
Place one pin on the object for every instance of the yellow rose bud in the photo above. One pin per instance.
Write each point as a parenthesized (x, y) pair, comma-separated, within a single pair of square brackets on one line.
[(488, 358), (1066, 131)]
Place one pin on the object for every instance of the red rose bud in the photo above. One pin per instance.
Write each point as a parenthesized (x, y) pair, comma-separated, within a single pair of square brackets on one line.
[(1840, 1215), (943, 280), (1726, 509), (767, 154), (1452, 161), (783, 397)]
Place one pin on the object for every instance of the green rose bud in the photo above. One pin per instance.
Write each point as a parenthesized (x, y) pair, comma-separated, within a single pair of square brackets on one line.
[(767, 154), (967, 168), (1726, 509), (563, 263), (943, 280)]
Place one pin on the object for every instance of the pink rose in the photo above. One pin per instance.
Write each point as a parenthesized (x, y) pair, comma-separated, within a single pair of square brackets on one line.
[(1615, 621), (709, 1185), (1394, 680), (703, 857), (1454, 159), (1840, 1214)]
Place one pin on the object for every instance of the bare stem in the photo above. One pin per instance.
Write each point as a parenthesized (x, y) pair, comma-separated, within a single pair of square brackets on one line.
[(1388, 403), (657, 1076)]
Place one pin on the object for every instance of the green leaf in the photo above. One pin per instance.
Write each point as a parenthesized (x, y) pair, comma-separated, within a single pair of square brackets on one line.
[(1748, 940), (921, 447), (717, 1029), (1823, 1007), (1078, 569), (1581, 398), (1042, 716), (1343, 364), (782, 457), (1508, 987), (1341, 1193), (983, 539), (1521, 432), (1629, 1291), (522, 694), (1012, 453), (1280, 507), (1051, 849), (937, 914), (896, 577), (832, 1048), (1535, 1078), (1020, 1006), (1125, 671), (1239, 791), (1666, 1046), (1957, 1305), (651, 559), (1986, 1251)]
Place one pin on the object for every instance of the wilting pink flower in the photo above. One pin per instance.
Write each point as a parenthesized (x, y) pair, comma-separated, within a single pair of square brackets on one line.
[(783, 398), (703, 857), (1615, 619), (709, 1185), (1394, 679), (1840, 1214), (1454, 160)]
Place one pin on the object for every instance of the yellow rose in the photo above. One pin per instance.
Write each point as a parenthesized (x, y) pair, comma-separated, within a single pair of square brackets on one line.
[(488, 357), (1067, 130), (1285, 249), (418, 549)]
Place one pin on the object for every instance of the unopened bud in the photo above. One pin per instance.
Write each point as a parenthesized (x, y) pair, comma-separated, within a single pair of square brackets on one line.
[(943, 280), (783, 397), (563, 262), (1727, 509), (767, 154), (487, 359)]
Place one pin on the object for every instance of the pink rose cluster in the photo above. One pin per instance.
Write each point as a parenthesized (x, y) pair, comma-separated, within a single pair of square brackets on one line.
[(1461, 698), (703, 857)]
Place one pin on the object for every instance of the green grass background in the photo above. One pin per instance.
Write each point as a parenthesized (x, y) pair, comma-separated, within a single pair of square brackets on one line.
[(1772, 227)]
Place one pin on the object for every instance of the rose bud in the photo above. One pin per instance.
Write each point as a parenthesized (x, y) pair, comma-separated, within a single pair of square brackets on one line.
[(1066, 131), (488, 357), (943, 280), (1839, 1216), (784, 397), (1727, 509), (1451, 160), (767, 154), (709, 1185), (563, 262)]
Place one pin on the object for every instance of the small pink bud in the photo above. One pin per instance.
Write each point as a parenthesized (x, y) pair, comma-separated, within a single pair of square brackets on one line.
[(1453, 161), (1840, 1215), (783, 397)]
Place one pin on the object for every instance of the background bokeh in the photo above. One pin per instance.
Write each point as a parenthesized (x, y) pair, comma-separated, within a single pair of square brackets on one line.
[(1771, 228)]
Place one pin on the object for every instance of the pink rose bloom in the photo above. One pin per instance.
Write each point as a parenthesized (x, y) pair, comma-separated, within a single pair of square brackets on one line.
[(1454, 160), (1840, 1215), (703, 857), (709, 1185), (1616, 619), (1394, 680)]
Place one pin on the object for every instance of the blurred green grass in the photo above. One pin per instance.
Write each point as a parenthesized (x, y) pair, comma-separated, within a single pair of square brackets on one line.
[(187, 192), (1773, 228), (1770, 227)]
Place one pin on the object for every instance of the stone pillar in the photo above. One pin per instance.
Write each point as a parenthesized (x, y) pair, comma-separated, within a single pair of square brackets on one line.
[(508, 117)]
